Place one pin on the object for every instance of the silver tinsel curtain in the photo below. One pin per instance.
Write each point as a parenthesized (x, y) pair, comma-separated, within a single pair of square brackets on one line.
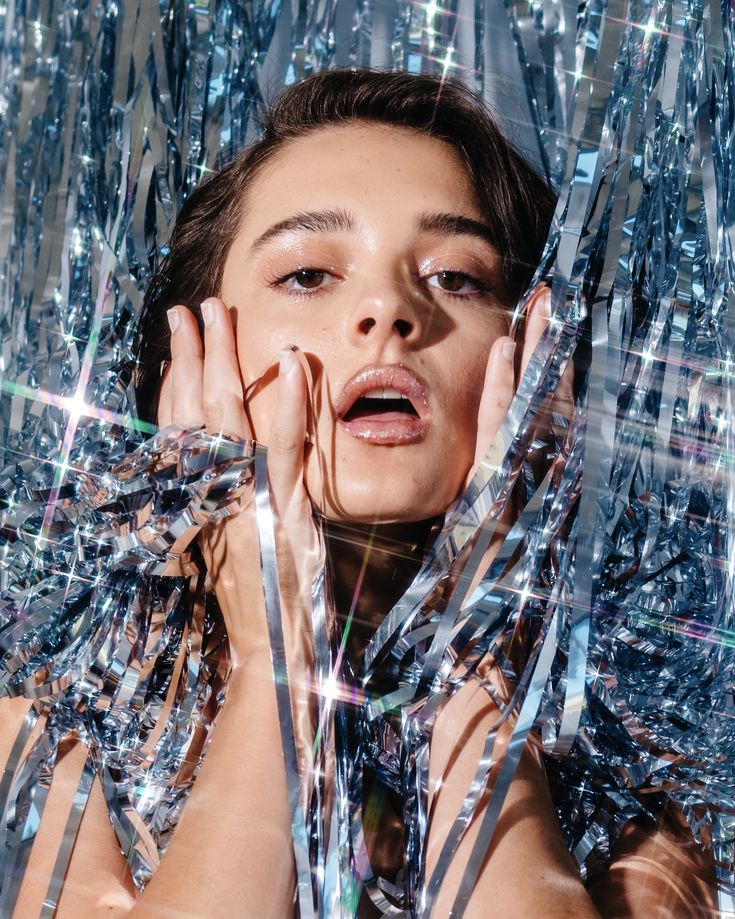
[(110, 114)]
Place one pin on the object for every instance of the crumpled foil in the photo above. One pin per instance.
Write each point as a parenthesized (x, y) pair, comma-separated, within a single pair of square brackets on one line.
[(618, 570)]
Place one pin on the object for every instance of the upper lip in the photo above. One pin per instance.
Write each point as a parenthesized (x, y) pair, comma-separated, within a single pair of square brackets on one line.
[(389, 376)]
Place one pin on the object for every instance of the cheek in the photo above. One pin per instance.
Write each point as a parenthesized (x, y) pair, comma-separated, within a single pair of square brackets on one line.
[(465, 373), (468, 380)]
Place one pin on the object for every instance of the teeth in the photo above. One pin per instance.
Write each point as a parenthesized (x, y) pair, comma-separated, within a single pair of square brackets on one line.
[(383, 394)]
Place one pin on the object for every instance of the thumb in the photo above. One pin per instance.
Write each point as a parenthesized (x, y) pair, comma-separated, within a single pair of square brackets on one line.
[(497, 394)]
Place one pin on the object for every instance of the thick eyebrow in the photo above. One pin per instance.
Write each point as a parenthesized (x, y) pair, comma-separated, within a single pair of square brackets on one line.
[(456, 225), (313, 221), (341, 221)]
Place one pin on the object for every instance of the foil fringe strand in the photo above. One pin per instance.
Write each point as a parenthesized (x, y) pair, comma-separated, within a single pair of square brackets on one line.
[(618, 572)]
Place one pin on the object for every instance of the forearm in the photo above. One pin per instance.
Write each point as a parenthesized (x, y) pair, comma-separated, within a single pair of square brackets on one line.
[(231, 853), (527, 870)]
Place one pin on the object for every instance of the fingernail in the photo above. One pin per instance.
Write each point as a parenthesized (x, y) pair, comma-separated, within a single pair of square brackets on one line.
[(508, 350), (286, 362), (207, 308), (173, 319)]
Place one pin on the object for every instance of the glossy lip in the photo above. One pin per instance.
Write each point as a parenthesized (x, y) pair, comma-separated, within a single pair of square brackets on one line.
[(405, 430)]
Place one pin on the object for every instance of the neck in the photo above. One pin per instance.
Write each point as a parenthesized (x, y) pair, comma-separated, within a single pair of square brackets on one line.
[(372, 566)]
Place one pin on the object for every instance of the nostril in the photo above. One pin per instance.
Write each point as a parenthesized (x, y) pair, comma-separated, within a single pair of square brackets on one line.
[(402, 326)]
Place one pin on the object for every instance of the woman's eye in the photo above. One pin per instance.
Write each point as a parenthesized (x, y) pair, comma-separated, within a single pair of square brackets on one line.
[(309, 278), (455, 282), (306, 279)]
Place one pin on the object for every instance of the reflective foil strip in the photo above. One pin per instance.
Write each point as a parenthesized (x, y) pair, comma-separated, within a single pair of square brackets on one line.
[(29, 722), (526, 719), (468, 569), (271, 594), (81, 798), (532, 681), (469, 806), (146, 784), (10, 886), (489, 491), (119, 656), (589, 549), (110, 114), (23, 813), (483, 618)]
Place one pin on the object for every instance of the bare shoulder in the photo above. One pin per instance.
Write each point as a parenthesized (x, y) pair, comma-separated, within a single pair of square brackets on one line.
[(98, 881)]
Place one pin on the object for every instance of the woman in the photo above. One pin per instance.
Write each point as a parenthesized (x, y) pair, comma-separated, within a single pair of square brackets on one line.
[(356, 270)]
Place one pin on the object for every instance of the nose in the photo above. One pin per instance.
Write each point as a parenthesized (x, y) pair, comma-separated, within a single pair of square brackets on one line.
[(387, 314)]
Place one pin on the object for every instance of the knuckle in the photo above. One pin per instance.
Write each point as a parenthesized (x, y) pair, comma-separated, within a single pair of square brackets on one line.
[(188, 421)]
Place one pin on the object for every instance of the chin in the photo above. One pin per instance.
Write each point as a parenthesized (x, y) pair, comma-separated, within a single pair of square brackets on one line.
[(382, 501)]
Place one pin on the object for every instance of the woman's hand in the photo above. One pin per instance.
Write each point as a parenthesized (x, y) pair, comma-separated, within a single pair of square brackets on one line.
[(204, 387), (252, 857), (500, 377)]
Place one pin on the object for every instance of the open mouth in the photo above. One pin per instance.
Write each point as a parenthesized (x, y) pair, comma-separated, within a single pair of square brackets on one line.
[(384, 405), (381, 403)]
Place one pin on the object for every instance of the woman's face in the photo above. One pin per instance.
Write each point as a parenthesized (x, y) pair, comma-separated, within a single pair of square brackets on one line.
[(364, 246)]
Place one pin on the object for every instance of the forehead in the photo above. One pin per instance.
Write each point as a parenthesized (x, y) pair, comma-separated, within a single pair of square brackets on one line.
[(379, 171)]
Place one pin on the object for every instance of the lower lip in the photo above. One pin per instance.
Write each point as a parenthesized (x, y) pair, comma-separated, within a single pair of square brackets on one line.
[(387, 428)]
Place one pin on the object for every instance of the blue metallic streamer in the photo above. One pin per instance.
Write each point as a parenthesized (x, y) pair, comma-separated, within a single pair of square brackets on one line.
[(109, 116), (267, 543)]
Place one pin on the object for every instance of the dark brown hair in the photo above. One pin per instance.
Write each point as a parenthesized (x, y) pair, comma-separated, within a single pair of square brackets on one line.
[(516, 203)]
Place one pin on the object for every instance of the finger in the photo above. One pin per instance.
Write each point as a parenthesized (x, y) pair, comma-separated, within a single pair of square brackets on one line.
[(539, 311), (288, 434), (497, 394), (224, 409), (165, 406), (538, 320), (187, 408), (564, 396)]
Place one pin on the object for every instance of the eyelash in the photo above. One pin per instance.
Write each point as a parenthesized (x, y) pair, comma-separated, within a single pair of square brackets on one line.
[(481, 288), (295, 292)]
